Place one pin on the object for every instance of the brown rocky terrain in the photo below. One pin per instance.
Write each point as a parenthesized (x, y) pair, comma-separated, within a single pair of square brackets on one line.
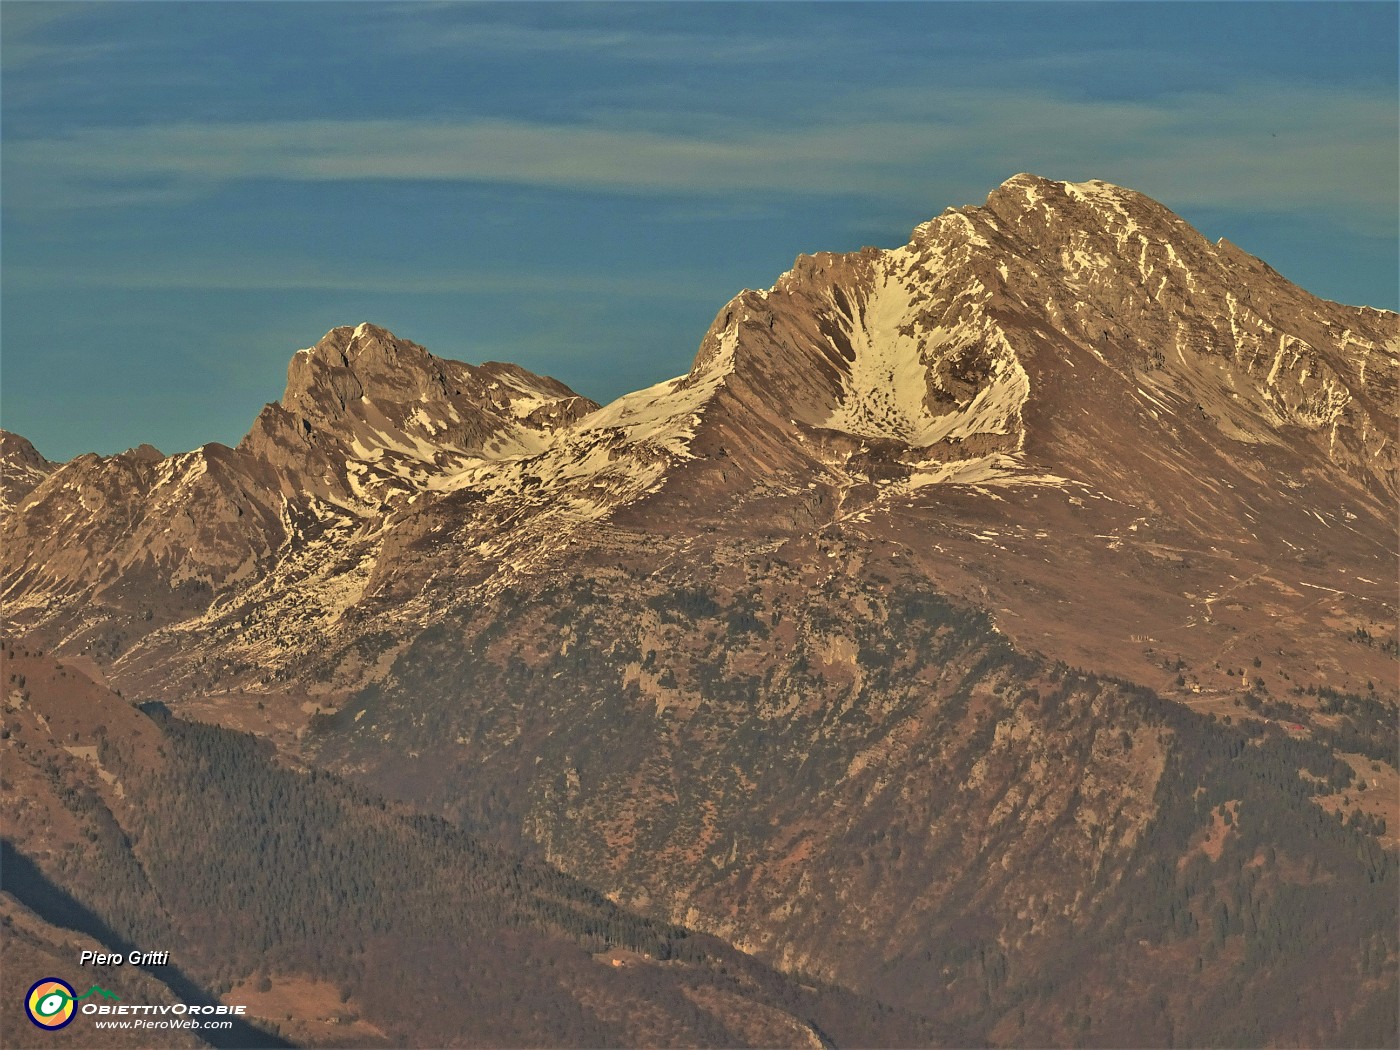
[(1065, 384), (21, 469), (921, 637), (336, 919), (366, 424)]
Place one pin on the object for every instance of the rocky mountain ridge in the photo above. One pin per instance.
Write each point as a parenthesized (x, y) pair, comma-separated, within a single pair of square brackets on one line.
[(1057, 532), (367, 423), (21, 469), (1071, 340)]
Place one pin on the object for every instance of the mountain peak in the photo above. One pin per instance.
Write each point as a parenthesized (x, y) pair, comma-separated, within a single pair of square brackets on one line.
[(1064, 335), (366, 361), (1027, 201), (956, 346), (1023, 181), (367, 417), (15, 448), (1027, 184), (21, 469)]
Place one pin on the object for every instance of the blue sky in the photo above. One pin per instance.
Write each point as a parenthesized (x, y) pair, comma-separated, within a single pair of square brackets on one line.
[(191, 192)]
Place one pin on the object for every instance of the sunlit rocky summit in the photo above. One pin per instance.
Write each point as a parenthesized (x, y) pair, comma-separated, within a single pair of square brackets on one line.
[(1073, 350), (905, 640)]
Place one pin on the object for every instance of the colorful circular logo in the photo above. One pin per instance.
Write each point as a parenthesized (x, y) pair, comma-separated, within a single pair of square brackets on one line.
[(49, 1003)]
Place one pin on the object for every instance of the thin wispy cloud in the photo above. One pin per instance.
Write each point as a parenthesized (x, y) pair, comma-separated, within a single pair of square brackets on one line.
[(615, 42), (1270, 147), (262, 275), (20, 54)]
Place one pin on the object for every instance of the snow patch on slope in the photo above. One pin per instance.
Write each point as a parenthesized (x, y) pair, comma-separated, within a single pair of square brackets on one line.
[(666, 414), (608, 458), (887, 390), (996, 470)]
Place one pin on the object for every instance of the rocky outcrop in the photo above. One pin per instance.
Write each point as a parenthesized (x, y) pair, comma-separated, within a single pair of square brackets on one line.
[(21, 470), (109, 549)]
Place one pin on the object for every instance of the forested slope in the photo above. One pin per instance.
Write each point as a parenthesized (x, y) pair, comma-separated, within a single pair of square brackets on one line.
[(259, 877)]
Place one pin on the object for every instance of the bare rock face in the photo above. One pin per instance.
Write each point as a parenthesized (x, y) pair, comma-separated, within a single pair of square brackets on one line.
[(1065, 386), (21, 469), (142, 540), (970, 342), (367, 418), (926, 628)]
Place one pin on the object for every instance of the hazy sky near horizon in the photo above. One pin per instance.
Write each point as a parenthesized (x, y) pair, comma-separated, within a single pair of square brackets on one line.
[(189, 192)]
